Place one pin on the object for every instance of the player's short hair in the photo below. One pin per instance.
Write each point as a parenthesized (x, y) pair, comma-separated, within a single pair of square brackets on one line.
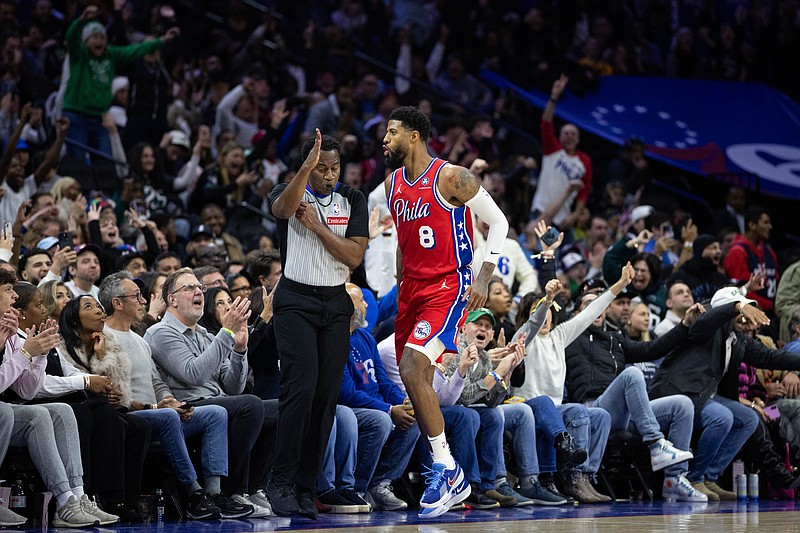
[(413, 119)]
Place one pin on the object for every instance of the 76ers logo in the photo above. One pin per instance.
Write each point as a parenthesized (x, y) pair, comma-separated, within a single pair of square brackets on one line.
[(422, 330)]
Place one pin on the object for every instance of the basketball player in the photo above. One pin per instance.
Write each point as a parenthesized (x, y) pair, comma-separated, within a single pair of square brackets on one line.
[(430, 201)]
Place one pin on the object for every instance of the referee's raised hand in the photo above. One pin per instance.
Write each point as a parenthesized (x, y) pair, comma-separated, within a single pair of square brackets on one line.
[(313, 156)]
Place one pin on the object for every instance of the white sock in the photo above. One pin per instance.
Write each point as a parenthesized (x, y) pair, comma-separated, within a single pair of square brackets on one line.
[(441, 451), (63, 498), (78, 492)]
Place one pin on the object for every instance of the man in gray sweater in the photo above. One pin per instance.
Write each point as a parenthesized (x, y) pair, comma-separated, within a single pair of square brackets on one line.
[(207, 369)]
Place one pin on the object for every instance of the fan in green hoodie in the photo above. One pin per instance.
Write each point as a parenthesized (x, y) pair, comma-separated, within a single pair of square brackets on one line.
[(92, 65)]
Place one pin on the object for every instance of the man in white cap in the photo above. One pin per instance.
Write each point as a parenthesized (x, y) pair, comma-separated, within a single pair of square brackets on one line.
[(706, 369)]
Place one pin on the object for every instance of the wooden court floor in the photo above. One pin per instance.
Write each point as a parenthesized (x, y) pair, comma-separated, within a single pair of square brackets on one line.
[(763, 516)]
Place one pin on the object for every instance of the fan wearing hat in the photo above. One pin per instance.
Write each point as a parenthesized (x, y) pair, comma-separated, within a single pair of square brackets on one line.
[(488, 383), (93, 64), (706, 369), (574, 267), (701, 272)]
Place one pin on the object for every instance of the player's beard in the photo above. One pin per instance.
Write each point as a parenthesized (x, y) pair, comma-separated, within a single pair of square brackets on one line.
[(396, 158)]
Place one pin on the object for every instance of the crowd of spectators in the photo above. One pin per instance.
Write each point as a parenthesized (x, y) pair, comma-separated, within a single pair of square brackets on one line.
[(145, 137)]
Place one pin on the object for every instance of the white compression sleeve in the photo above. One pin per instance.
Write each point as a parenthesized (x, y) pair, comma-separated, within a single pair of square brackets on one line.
[(487, 210)]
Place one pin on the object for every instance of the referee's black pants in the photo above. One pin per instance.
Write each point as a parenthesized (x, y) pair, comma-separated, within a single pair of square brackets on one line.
[(312, 329)]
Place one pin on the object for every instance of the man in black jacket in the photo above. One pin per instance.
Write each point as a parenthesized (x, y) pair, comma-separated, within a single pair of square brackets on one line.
[(702, 365), (597, 375)]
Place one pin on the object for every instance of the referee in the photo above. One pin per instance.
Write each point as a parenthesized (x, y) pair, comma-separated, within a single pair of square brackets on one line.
[(323, 227)]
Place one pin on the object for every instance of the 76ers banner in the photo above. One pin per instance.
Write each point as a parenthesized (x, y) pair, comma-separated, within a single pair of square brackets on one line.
[(702, 126)]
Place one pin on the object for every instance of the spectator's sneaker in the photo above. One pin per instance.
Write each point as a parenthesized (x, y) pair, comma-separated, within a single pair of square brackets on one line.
[(445, 488), (354, 497), (9, 518), (338, 503), (258, 510), (701, 487), (504, 501), (321, 507), (260, 499), (307, 504), (664, 454), (282, 498), (71, 514), (201, 506), (574, 488), (478, 500), (90, 507), (678, 489), (719, 491), (383, 499), (505, 489), (567, 455), (540, 495), (230, 507)]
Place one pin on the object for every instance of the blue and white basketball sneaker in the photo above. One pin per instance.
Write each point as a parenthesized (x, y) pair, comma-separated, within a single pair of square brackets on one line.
[(446, 488)]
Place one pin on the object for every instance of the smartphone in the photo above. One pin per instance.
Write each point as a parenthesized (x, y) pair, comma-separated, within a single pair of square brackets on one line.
[(7, 228), (185, 406), (772, 412), (550, 236), (65, 240)]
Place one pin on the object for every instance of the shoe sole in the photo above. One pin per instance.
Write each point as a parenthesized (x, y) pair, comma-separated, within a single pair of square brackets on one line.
[(676, 499), (243, 514), (61, 523), (547, 503), (208, 516), (345, 509), (483, 506), (442, 509)]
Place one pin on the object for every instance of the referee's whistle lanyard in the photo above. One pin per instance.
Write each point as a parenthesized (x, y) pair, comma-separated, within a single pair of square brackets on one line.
[(320, 205)]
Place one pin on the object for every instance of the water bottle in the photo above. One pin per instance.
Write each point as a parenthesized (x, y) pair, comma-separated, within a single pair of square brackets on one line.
[(18, 502), (160, 507), (752, 487), (741, 487)]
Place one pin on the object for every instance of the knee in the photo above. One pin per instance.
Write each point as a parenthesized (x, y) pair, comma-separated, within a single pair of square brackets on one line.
[(600, 417), (750, 420), (683, 405), (216, 414), (721, 420), (632, 375), (412, 368)]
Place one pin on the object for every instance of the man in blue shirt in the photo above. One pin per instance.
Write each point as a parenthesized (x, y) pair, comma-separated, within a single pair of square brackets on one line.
[(387, 429)]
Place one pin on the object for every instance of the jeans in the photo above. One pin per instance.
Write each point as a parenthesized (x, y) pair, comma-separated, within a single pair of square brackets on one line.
[(626, 401), (211, 421), (251, 432), (87, 130), (675, 415), (489, 445), (518, 419), (50, 433), (383, 449), (339, 462), (549, 424), (726, 425), (589, 427)]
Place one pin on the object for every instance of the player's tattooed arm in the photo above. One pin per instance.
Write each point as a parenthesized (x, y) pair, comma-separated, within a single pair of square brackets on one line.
[(461, 184)]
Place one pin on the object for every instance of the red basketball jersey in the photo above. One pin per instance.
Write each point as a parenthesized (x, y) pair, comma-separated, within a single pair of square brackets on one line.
[(434, 237)]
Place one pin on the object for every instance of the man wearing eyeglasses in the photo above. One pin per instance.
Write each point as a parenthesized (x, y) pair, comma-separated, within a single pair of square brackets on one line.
[(206, 369)]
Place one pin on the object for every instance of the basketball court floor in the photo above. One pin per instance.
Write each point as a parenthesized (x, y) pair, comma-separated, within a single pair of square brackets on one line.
[(764, 516)]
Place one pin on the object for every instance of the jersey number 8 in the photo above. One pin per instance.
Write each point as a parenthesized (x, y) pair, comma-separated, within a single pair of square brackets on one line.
[(426, 237)]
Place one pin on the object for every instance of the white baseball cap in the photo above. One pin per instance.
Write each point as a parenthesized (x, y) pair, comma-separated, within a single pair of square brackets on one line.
[(729, 295), (643, 211)]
